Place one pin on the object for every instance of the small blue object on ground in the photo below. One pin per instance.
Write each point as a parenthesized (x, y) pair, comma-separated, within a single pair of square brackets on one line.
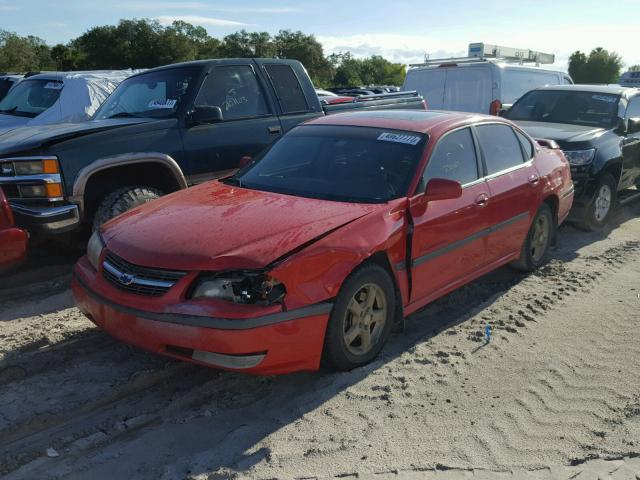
[(487, 333)]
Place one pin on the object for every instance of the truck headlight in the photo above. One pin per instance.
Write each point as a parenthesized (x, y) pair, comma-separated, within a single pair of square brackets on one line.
[(36, 167), (246, 287), (580, 157), (94, 249)]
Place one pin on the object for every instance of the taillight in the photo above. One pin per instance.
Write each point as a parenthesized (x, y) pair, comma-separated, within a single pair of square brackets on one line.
[(494, 107)]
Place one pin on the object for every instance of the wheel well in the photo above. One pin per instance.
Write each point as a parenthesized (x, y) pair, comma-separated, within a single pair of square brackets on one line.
[(382, 260), (554, 204), (615, 169), (149, 174)]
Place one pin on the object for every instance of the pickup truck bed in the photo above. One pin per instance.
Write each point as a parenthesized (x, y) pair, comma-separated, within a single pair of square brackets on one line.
[(160, 131)]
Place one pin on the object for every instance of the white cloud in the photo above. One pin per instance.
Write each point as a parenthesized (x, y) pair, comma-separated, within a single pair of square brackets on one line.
[(198, 20)]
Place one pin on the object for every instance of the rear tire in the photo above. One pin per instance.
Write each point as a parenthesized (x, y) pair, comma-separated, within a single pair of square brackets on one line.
[(121, 200), (361, 319), (535, 250), (598, 212)]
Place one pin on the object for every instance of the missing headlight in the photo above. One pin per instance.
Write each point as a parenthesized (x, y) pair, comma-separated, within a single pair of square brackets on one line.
[(244, 287)]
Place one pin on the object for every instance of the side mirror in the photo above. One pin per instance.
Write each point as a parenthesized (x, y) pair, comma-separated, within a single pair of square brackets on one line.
[(205, 114), (442, 189), (633, 125), (244, 161), (503, 111)]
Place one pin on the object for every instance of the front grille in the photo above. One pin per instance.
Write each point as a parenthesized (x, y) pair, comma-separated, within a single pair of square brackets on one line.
[(138, 280)]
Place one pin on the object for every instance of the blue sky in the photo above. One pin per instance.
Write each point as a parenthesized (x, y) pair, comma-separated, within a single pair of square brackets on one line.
[(401, 30)]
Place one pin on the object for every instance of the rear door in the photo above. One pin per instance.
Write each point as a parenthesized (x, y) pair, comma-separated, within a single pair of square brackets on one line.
[(248, 126), (450, 236), (428, 82), (631, 148), (514, 185)]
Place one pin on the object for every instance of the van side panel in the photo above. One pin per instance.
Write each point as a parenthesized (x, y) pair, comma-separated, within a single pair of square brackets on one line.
[(468, 88), (428, 82)]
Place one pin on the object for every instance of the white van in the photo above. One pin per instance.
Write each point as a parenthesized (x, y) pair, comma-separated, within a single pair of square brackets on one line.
[(477, 84)]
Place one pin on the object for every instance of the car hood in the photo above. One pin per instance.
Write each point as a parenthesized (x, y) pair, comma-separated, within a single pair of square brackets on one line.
[(22, 138), (561, 132), (218, 227)]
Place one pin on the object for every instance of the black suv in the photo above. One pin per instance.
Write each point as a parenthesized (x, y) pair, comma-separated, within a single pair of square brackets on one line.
[(598, 128)]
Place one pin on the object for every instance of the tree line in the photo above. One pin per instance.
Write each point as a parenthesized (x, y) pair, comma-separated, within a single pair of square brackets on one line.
[(144, 43)]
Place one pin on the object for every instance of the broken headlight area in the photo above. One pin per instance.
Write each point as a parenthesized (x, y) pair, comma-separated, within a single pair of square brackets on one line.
[(244, 287)]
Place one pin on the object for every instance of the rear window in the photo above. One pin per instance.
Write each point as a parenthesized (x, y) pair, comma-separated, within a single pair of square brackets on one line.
[(516, 83), (31, 97), (288, 89)]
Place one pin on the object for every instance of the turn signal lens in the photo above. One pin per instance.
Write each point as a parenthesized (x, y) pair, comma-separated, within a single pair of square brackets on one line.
[(50, 166), (37, 167), (54, 190)]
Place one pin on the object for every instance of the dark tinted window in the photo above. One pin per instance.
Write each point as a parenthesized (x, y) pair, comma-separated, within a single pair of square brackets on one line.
[(527, 148), (567, 106), (454, 158), (288, 89), (500, 146), (5, 85), (349, 164), (235, 90)]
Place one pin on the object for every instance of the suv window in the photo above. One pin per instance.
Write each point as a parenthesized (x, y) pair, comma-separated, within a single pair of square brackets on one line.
[(527, 148), (288, 89), (235, 90), (454, 158), (500, 146), (633, 110)]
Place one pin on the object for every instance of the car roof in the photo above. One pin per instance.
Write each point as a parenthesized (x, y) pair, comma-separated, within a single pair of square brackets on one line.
[(613, 89), (420, 121)]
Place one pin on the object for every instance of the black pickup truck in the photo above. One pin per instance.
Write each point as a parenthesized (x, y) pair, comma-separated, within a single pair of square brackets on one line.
[(160, 131), (598, 128)]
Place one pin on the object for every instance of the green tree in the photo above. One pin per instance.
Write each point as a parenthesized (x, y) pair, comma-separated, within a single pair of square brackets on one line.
[(374, 70), (306, 49), (22, 54), (601, 66), (66, 58), (245, 44), (634, 68)]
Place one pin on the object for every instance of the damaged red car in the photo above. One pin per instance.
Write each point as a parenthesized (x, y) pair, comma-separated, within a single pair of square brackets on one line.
[(313, 252), (13, 240)]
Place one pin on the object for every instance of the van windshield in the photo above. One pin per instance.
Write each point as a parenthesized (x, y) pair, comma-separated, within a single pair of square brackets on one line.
[(154, 94), (567, 106), (31, 97)]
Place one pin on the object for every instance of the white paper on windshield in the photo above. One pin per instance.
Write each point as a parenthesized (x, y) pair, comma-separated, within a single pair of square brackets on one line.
[(399, 138), (54, 85), (162, 103)]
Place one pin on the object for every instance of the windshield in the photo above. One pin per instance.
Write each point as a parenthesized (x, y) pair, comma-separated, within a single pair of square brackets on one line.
[(567, 106), (348, 164), (31, 97), (154, 94)]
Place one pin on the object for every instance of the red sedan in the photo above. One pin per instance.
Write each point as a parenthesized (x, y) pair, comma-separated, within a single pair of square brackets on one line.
[(315, 250), (13, 240)]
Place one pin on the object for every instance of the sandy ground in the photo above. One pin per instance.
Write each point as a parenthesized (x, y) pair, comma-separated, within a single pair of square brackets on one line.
[(557, 386)]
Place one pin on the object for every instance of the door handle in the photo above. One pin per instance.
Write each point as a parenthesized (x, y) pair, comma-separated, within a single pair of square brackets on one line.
[(482, 200), (534, 179), (275, 130)]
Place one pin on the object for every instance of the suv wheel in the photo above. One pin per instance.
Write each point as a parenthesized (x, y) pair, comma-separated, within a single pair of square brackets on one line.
[(121, 200), (598, 212), (361, 319)]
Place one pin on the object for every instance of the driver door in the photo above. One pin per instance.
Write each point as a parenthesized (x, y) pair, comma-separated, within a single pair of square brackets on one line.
[(248, 125), (450, 237)]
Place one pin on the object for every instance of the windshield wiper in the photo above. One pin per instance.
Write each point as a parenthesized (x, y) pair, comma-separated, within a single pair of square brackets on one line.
[(123, 115)]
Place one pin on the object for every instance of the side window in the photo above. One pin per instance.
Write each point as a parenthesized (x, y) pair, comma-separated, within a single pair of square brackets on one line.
[(500, 146), (527, 148), (454, 158), (235, 90), (633, 110), (288, 89)]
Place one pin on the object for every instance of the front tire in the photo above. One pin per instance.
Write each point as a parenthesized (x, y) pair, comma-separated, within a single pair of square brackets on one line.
[(535, 250), (598, 212), (121, 200), (361, 319)]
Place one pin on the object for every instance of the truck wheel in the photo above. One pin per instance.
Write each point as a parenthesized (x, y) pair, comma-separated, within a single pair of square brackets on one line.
[(121, 200), (598, 212), (361, 319), (535, 249)]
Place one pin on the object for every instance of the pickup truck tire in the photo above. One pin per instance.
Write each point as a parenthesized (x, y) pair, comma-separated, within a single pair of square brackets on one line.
[(121, 200), (601, 206), (366, 303), (535, 250)]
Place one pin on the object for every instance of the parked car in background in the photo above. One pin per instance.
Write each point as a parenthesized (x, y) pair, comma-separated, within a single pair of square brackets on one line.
[(13, 240), (346, 225), (57, 97), (598, 127), (7, 82), (630, 79), (483, 82), (325, 93), (160, 131)]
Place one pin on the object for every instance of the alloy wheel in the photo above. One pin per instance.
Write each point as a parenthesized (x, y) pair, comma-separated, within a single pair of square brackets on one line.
[(365, 318), (540, 237), (602, 203)]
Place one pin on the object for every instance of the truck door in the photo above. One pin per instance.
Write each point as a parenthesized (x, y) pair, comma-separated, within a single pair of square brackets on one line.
[(248, 125), (631, 148)]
